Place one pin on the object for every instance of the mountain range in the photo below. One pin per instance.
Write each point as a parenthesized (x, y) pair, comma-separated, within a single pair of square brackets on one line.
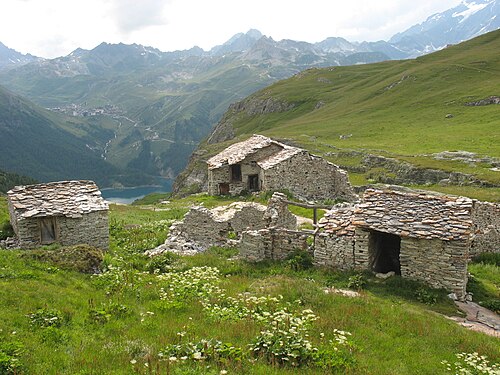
[(136, 108), (431, 120)]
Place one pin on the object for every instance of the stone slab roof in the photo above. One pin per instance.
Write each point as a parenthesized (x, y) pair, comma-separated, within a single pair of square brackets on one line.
[(65, 198), (286, 153), (338, 221), (415, 214), (239, 151)]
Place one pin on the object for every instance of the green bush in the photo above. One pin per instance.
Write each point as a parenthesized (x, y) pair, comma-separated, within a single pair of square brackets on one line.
[(9, 357), (426, 295), (82, 258), (357, 281), (299, 260), (161, 263), (43, 318), (488, 258), (6, 230)]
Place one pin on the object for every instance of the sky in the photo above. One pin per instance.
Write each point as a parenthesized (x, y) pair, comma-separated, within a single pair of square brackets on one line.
[(53, 28)]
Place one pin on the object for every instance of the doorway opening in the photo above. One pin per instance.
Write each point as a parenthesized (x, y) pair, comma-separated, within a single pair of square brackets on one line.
[(253, 182), (223, 189), (384, 249)]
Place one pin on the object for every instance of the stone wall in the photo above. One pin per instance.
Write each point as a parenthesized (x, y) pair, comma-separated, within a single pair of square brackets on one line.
[(271, 244), (249, 166), (440, 264), (486, 219), (213, 227), (334, 251), (309, 177), (91, 229)]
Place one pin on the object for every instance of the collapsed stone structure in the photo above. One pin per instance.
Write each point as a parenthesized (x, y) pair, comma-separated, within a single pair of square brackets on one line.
[(419, 235), (263, 164), (66, 212), (202, 228)]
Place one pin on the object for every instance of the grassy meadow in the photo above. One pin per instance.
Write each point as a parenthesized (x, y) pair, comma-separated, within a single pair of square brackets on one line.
[(408, 110), (214, 314)]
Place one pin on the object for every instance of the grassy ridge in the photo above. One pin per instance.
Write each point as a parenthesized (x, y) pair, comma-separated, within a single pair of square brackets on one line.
[(117, 323), (396, 109)]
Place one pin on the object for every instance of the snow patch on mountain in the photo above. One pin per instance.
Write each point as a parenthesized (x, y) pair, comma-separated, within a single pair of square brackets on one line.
[(472, 8)]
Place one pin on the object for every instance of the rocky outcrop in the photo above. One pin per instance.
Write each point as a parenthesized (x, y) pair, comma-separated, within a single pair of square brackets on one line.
[(487, 101)]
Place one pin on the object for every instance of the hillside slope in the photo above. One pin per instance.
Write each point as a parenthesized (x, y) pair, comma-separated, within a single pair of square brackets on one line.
[(45, 146), (409, 110)]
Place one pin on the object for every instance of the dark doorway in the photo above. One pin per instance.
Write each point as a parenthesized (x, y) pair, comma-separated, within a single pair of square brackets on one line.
[(223, 189), (236, 172), (253, 182), (384, 249), (48, 232)]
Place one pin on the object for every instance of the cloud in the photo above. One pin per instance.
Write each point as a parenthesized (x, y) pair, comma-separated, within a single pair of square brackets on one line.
[(133, 15)]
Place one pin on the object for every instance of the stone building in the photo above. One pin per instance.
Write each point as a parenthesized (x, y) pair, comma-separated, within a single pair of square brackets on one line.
[(66, 212), (415, 234), (263, 164)]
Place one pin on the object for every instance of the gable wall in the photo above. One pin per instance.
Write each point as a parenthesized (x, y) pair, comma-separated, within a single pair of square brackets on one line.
[(310, 177), (223, 174)]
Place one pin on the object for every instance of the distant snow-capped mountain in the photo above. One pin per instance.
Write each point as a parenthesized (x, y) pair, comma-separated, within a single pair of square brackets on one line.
[(10, 58), (469, 19)]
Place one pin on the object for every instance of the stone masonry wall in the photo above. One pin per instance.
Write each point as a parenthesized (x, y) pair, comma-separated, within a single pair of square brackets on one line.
[(91, 229), (361, 253), (333, 251), (441, 264), (486, 232), (212, 227), (248, 167), (271, 244), (310, 177)]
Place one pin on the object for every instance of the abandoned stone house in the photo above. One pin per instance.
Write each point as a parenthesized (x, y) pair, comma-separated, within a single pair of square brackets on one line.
[(263, 164), (66, 212), (418, 235)]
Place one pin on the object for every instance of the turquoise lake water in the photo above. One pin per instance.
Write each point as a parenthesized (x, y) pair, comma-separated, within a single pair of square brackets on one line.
[(130, 194)]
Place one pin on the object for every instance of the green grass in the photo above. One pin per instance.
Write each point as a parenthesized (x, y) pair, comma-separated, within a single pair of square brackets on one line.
[(107, 322)]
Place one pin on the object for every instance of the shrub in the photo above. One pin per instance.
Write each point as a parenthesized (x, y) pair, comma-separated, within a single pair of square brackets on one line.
[(357, 281), (6, 230), (43, 318), (82, 258), (161, 263), (426, 295), (9, 357), (488, 258), (299, 260)]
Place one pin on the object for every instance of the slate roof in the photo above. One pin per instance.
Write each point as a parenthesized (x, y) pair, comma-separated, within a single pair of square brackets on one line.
[(239, 151), (415, 214), (65, 198), (338, 220)]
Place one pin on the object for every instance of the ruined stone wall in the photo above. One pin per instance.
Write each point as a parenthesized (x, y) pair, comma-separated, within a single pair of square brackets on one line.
[(486, 232), (334, 251), (91, 229), (248, 167), (212, 227), (308, 176), (271, 244), (440, 264)]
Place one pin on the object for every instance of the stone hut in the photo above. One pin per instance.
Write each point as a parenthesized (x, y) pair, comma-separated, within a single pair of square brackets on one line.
[(263, 164), (66, 212)]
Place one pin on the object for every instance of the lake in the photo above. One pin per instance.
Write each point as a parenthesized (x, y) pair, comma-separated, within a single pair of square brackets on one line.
[(129, 194)]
